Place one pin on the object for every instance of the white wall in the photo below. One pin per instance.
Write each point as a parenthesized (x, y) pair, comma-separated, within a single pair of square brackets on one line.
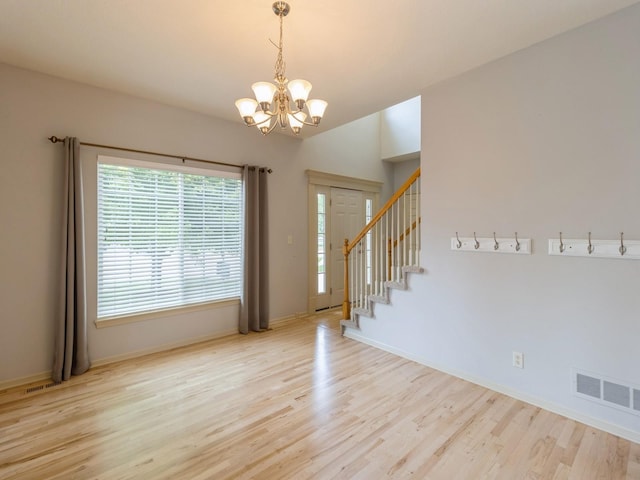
[(400, 130), (402, 171), (542, 141), (35, 106), (352, 150)]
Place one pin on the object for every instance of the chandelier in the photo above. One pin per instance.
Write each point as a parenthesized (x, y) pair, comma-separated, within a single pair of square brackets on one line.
[(272, 105)]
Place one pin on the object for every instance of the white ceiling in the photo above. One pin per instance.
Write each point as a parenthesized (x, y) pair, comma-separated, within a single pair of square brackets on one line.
[(361, 56)]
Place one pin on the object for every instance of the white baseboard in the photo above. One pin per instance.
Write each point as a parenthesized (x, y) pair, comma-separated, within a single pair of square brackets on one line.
[(16, 382), (608, 427), (119, 358), (277, 322), (161, 348), (39, 377), (183, 343)]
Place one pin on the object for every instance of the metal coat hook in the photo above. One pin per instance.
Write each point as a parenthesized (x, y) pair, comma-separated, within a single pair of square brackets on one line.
[(622, 248), (590, 248), (459, 243), (496, 245), (517, 243), (477, 244), (561, 244)]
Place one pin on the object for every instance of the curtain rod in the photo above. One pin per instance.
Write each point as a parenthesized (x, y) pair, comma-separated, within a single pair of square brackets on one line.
[(54, 139)]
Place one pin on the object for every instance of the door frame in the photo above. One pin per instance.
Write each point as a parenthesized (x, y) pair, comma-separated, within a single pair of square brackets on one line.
[(316, 181)]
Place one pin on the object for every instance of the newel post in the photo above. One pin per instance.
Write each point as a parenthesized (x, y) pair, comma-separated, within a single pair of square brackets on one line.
[(346, 305)]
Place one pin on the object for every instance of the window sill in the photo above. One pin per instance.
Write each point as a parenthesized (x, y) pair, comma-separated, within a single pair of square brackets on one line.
[(167, 312)]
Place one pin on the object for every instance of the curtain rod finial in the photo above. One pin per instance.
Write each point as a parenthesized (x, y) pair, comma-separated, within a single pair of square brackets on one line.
[(54, 139)]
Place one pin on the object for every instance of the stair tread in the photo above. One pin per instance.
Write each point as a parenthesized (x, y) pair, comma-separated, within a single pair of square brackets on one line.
[(413, 269), (379, 299)]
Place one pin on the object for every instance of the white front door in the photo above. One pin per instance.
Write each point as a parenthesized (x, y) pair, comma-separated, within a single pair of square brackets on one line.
[(347, 219), (339, 214)]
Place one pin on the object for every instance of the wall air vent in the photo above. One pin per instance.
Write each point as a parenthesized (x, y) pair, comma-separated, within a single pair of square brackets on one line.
[(606, 391), (615, 393), (588, 385)]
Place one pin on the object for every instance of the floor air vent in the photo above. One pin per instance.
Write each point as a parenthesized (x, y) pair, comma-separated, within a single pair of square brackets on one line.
[(607, 391), (37, 388)]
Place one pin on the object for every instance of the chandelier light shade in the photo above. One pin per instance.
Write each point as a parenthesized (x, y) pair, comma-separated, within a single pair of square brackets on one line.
[(284, 103)]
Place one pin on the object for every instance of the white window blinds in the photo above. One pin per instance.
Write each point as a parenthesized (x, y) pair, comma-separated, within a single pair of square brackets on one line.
[(167, 236)]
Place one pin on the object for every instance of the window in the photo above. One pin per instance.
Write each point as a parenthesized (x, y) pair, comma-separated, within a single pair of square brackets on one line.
[(167, 236), (322, 241)]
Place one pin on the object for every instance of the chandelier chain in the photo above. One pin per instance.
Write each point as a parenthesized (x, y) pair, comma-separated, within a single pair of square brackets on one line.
[(280, 65)]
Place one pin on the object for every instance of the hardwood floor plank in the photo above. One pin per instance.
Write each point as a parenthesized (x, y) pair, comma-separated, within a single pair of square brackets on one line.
[(633, 466), (297, 402)]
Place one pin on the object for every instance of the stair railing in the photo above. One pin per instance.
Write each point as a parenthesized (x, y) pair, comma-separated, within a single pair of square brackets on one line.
[(381, 251)]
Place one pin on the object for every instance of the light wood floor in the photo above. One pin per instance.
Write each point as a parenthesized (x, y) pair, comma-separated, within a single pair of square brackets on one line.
[(297, 402)]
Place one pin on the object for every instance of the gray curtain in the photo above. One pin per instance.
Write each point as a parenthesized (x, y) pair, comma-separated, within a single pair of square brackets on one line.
[(71, 354), (254, 306)]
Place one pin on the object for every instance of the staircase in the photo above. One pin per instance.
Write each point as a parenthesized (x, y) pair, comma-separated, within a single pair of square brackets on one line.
[(381, 256)]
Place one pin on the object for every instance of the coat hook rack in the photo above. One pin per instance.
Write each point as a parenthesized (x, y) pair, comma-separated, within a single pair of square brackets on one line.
[(594, 248), (493, 244)]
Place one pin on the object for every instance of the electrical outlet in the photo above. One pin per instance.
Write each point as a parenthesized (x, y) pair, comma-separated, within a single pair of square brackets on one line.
[(518, 359)]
